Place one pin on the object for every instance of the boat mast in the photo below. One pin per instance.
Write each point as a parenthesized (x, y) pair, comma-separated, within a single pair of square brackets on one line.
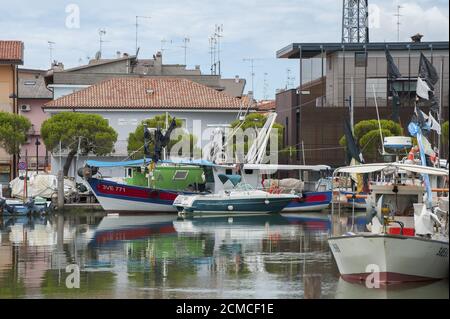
[(378, 117)]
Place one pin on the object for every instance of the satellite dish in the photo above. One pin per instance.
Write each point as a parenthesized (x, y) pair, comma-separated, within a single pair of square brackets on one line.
[(98, 55)]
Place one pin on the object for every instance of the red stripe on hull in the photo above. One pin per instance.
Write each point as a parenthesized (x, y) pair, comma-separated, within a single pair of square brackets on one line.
[(129, 234), (312, 199), (386, 278), (121, 190)]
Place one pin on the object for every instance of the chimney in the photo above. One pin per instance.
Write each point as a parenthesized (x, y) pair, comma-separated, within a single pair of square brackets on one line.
[(417, 37), (118, 53), (250, 96), (197, 67), (236, 79), (57, 66)]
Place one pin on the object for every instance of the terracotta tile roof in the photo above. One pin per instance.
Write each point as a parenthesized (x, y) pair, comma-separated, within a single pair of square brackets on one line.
[(147, 93), (266, 105), (11, 51)]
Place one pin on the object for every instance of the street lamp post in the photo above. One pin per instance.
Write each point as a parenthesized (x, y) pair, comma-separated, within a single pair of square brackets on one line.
[(37, 143)]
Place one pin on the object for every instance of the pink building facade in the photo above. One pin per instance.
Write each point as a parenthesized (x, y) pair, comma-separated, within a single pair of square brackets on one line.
[(33, 94)]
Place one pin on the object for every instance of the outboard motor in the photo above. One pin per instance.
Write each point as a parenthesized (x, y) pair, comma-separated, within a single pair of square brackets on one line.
[(87, 171)]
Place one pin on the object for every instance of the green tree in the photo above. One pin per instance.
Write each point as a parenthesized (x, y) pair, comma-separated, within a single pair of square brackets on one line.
[(13, 131), (257, 120), (87, 133), (136, 139), (367, 134), (445, 132)]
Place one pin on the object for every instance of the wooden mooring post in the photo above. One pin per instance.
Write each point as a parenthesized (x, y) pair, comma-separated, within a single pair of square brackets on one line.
[(312, 286), (60, 190)]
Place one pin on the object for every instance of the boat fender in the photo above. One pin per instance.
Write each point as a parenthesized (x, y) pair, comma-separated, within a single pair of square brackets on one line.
[(267, 202), (230, 207)]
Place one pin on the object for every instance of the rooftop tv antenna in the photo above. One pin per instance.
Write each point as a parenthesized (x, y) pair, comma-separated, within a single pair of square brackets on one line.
[(266, 87), (186, 40), (212, 52), (50, 49), (289, 79), (398, 15), (137, 26), (101, 33), (163, 43), (252, 67), (355, 21), (218, 33), (214, 46)]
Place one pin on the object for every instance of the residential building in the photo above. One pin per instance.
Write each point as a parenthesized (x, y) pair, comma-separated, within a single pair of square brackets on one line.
[(314, 114), (33, 94), (126, 101), (11, 55), (264, 106), (65, 81)]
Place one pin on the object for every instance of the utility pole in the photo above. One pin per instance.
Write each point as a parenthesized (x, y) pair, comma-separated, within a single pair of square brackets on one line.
[(137, 26), (50, 48), (398, 15), (37, 143)]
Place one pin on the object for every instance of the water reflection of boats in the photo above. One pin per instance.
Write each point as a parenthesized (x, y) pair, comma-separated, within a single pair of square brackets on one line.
[(431, 290), (33, 231), (312, 221), (116, 227), (212, 224)]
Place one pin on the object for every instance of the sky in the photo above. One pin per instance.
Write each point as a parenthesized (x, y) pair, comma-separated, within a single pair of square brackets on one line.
[(252, 29)]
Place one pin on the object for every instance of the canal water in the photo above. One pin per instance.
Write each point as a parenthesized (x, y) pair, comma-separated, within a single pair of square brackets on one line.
[(163, 256)]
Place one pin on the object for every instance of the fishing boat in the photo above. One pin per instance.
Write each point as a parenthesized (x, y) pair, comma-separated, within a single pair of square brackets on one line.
[(312, 195), (405, 238), (146, 189), (241, 199)]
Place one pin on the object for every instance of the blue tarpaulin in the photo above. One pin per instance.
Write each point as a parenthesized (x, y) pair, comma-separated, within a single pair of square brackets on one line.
[(140, 162)]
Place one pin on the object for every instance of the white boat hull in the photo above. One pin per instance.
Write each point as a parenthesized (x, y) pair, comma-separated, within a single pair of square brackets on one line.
[(118, 205), (390, 258)]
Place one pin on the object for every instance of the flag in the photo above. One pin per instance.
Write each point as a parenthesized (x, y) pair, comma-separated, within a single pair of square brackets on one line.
[(427, 71), (434, 125), (422, 89), (427, 148), (421, 117), (352, 148), (392, 69)]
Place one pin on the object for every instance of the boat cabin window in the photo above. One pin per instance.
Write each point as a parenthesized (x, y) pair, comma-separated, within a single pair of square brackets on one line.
[(248, 171), (228, 171), (209, 175), (128, 172), (180, 175)]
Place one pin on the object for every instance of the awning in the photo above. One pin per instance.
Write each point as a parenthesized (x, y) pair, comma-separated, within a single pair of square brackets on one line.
[(133, 163), (141, 162)]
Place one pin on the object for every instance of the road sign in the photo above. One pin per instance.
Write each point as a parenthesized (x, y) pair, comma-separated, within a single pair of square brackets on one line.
[(22, 166)]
